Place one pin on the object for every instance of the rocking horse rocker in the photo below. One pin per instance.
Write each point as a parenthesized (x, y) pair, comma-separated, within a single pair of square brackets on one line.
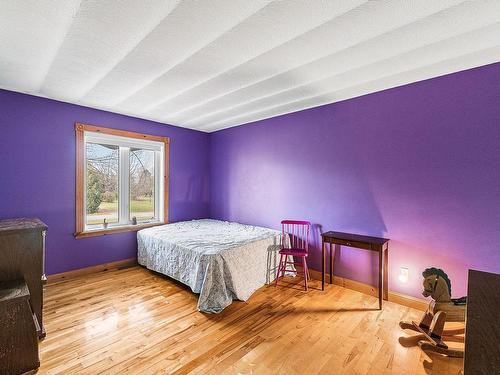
[(443, 308)]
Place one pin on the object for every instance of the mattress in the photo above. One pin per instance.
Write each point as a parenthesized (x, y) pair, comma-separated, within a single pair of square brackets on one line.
[(220, 260)]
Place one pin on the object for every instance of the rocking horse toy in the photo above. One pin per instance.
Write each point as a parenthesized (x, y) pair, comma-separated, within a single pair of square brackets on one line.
[(443, 308)]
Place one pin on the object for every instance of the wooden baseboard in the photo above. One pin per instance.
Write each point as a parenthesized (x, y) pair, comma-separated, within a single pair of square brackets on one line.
[(401, 299), (370, 290), (120, 264), (409, 301)]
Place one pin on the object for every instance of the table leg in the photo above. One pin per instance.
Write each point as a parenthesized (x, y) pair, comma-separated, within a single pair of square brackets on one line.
[(330, 262), (332, 256), (323, 265), (380, 279), (386, 273)]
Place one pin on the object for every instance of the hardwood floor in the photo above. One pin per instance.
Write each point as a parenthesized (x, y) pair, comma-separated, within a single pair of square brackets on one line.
[(134, 321)]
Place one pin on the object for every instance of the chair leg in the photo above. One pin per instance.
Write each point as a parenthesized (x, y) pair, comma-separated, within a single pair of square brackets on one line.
[(307, 268), (305, 272), (279, 270), (283, 269)]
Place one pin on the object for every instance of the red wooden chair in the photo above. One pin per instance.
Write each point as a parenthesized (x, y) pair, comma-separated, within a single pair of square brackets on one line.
[(294, 243)]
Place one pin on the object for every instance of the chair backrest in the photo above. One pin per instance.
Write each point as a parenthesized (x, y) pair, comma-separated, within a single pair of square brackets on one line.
[(298, 234)]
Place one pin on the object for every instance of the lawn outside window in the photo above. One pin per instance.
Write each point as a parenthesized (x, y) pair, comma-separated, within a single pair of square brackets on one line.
[(122, 180)]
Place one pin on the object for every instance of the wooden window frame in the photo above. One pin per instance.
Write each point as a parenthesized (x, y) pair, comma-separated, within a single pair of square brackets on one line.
[(80, 130)]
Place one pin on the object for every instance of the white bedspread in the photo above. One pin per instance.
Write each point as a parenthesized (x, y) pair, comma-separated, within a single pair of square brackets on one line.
[(219, 260)]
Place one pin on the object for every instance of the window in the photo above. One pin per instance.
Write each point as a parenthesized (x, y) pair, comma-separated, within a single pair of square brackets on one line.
[(122, 180)]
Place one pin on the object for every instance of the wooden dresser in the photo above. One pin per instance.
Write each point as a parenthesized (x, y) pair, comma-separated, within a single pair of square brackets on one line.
[(482, 329), (22, 256)]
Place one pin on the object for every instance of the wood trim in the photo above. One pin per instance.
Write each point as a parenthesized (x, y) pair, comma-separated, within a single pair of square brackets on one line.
[(120, 133), (118, 265), (395, 297), (166, 180), (104, 232), (400, 299), (80, 171), (403, 299)]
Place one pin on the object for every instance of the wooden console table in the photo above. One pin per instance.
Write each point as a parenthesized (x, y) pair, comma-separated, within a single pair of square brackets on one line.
[(380, 245)]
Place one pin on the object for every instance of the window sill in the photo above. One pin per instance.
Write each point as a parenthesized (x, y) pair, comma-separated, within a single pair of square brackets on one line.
[(105, 232)]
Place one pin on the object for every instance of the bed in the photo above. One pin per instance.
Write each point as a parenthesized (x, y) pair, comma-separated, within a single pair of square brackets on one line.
[(220, 260)]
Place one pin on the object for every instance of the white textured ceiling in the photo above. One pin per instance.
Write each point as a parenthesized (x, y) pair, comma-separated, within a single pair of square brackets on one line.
[(213, 64)]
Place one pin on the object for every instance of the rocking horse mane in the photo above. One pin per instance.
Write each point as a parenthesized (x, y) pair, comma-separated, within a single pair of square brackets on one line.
[(439, 272)]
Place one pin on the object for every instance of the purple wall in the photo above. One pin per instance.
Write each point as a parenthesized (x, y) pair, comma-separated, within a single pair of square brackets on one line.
[(37, 153), (419, 164)]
